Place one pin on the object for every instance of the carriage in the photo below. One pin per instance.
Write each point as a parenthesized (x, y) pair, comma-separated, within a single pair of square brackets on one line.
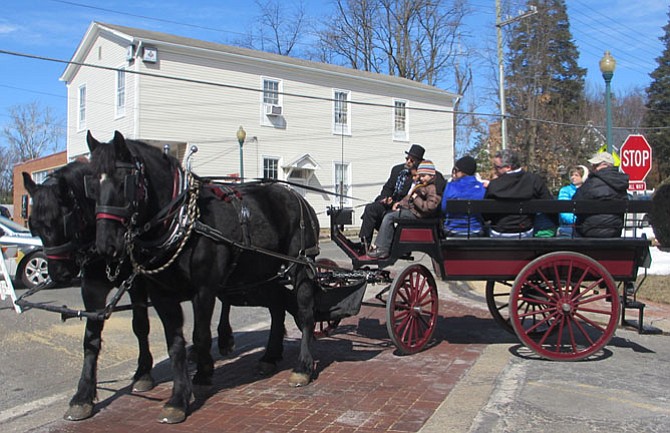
[(562, 297), (198, 239)]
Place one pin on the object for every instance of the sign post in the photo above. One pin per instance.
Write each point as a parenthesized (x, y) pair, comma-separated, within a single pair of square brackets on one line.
[(636, 161)]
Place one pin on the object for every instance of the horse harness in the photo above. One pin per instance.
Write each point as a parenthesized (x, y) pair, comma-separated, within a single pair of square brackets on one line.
[(74, 229), (181, 216)]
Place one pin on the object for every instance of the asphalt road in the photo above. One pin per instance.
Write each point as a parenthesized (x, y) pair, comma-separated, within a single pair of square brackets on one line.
[(41, 357), (508, 389)]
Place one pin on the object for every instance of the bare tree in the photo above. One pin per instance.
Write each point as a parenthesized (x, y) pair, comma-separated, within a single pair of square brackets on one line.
[(348, 37), (32, 132), (414, 39), (280, 28)]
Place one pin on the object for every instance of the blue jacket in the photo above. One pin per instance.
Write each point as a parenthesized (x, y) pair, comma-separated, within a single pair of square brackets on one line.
[(465, 188), (566, 193)]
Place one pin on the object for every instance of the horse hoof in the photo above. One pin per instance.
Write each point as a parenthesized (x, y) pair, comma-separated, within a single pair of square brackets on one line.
[(227, 349), (172, 415), (298, 379), (266, 368), (144, 384), (191, 356), (79, 412), (202, 379)]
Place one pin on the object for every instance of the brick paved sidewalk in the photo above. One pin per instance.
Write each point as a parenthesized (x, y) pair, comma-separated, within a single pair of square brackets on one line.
[(361, 386)]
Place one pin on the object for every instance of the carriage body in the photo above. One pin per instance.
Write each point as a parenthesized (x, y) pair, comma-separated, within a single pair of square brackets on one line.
[(562, 296)]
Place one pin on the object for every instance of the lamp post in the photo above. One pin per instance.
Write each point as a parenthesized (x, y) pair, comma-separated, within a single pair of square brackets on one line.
[(607, 66), (241, 136)]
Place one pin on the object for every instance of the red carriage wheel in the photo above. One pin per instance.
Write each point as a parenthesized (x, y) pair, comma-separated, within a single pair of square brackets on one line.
[(575, 306), (497, 301), (325, 328), (411, 309)]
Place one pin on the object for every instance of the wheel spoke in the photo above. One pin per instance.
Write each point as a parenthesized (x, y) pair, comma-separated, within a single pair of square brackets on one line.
[(558, 309), (412, 309)]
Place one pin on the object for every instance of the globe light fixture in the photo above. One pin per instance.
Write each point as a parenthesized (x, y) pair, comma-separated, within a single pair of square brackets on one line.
[(241, 136), (607, 66)]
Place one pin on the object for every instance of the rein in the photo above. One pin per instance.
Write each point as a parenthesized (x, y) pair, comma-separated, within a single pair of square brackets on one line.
[(188, 219)]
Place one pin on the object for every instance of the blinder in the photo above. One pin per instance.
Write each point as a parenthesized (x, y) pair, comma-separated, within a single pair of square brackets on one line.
[(133, 191)]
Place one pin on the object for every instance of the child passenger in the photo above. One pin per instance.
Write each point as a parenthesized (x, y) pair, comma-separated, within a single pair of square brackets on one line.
[(421, 202)]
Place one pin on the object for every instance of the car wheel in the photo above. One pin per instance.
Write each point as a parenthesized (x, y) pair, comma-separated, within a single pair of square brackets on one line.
[(34, 270)]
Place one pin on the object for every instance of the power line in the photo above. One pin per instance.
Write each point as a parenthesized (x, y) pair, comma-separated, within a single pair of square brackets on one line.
[(296, 95)]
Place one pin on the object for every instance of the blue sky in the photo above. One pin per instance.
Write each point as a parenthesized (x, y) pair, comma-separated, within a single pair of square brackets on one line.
[(54, 28)]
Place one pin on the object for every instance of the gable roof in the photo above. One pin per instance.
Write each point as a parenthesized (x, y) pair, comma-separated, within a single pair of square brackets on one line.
[(135, 36)]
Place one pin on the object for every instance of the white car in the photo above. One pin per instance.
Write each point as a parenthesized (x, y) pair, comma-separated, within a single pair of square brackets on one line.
[(24, 257)]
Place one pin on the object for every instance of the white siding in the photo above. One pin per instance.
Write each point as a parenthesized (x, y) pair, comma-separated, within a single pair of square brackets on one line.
[(209, 115)]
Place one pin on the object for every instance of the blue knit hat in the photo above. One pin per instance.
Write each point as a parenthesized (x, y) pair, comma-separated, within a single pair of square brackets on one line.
[(426, 167)]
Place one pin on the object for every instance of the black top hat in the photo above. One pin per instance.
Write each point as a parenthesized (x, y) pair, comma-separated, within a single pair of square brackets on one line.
[(416, 151)]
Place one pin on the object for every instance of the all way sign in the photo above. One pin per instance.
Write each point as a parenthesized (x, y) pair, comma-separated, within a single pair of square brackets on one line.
[(636, 157)]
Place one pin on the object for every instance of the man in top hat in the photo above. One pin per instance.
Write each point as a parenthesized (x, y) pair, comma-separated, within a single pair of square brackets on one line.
[(605, 182), (395, 188)]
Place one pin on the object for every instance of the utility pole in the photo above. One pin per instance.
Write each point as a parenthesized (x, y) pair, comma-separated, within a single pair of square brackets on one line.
[(501, 71)]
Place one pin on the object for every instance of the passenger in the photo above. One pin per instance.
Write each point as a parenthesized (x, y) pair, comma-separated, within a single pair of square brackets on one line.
[(513, 183), (578, 175), (422, 202), (463, 186), (544, 226), (604, 183), (396, 187)]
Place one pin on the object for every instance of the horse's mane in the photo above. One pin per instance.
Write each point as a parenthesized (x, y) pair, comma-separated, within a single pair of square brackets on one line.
[(105, 157)]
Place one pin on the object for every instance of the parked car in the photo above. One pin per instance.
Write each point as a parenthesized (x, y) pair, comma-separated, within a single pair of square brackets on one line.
[(24, 257)]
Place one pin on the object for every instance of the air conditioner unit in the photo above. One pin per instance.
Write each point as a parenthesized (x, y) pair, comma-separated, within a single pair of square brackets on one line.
[(273, 110)]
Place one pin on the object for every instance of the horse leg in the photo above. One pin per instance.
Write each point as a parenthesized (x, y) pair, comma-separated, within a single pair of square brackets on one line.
[(81, 404), (267, 365), (172, 318), (305, 290), (225, 331), (142, 380), (203, 308)]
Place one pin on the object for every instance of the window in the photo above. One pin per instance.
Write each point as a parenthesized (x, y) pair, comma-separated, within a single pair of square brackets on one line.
[(342, 183), (271, 168), (120, 93), (400, 120), (341, 121), (271, 92), (81, 119), (40, 176), (271, 103)]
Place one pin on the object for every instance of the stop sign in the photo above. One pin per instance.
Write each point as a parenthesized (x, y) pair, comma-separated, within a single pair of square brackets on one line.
[(636, 157)]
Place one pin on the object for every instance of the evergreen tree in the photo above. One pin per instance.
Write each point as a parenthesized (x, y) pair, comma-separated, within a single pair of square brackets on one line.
[(545, 89), (658, 108)]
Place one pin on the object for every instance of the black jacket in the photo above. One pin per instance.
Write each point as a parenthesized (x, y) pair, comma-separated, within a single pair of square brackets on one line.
[(606, 184), (388, 190), (519, 185)]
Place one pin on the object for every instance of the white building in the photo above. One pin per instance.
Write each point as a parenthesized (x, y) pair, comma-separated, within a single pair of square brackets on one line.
[(305, 122)]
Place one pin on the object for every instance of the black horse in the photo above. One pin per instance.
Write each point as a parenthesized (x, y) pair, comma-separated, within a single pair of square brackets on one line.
[(203, 241), (65, 221)]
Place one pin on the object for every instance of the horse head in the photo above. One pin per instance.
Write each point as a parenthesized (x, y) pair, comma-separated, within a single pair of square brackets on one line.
[(121, 190), (62, 217)]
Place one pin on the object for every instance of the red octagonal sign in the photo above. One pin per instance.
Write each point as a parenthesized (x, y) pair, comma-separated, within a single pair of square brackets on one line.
[(636, 157)]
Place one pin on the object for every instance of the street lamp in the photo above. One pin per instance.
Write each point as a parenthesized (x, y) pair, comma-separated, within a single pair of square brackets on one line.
[(607, 66), (241, 136)]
